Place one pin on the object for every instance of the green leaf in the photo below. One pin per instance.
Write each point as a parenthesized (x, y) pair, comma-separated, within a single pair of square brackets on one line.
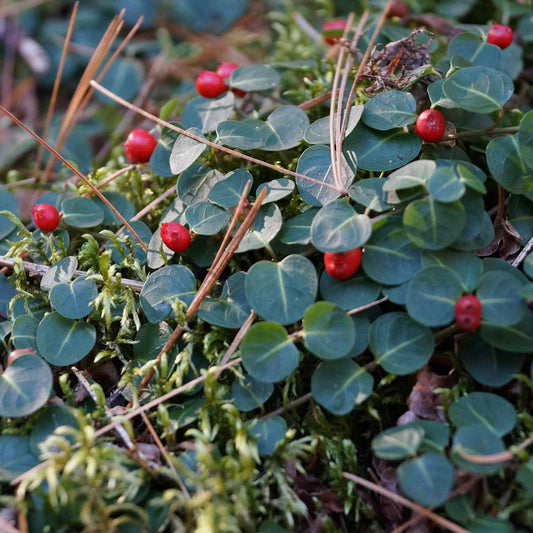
[(507, 166), (390, 109), (80, 212), (329, 332), (427, 479), (297, 230), (473, 48), (238, 134), (159, 160), (64, 341), (264, 228), (186, 151), (205, 218), (515, 338), (340, 385), (315, 163), (479, 89), (205, 114), (249, 393), (397, 442), (268, 353), (129, 245), (254, 78), (227, 192), (120, 203), (483, 408), (195, 184), (356, 291), (390, 257), (15, 456), (74, 299), (169, 284), (525, 139), (230, 310), (369, 193), (286, 126), (277, 189), (501, 302), (415, 174), (8, 202), (337, 227), (466, 265), (25, 386), (268, 432), (60, 272), (282, 291), (24, 332), (399, 344), (524, 475), (432, 294), (50, 418), (319, 131), (488, 365), (381, 151), (445, 186), (476, 440), (434, 225)]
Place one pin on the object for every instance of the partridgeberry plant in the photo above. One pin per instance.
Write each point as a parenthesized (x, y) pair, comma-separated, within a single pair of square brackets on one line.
[(309, 282)]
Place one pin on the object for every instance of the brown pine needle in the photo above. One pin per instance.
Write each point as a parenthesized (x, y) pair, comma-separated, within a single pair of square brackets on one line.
[(442, 522), (211, 144)]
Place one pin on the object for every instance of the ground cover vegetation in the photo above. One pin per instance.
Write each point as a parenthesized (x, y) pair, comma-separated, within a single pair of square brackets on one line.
[(266, 266)]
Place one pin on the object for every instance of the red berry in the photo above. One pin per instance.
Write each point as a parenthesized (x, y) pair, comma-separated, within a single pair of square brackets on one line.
[(332, 30), (224, 70), (398, 9), (210, 85), (468, 312), (342, 265), (500, 35), (45, 216), (175, 236), (139, 146), (430, 125)]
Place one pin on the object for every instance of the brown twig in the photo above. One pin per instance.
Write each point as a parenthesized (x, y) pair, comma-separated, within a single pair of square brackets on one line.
[(442, 522), (202, 140), (218, 266)]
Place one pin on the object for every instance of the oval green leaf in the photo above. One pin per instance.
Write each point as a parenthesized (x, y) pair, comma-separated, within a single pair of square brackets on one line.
[(205, 218), (390, 109), (81, 212), (74, 299), (397, 442), (268, 353), (170, 283), (479, 89), (282, 291), (337, 227), (399, 344), (315, 163), (340, 385), (427, 479), (205, 114), (186, 151), (381, 151), (237, 134), (329, 332), (434, 225), (432, 294), (63, 341), (25, 386)]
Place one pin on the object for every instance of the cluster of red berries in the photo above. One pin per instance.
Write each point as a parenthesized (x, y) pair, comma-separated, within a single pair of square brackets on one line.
[(211, 84), (468, 312), (342, 265)]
